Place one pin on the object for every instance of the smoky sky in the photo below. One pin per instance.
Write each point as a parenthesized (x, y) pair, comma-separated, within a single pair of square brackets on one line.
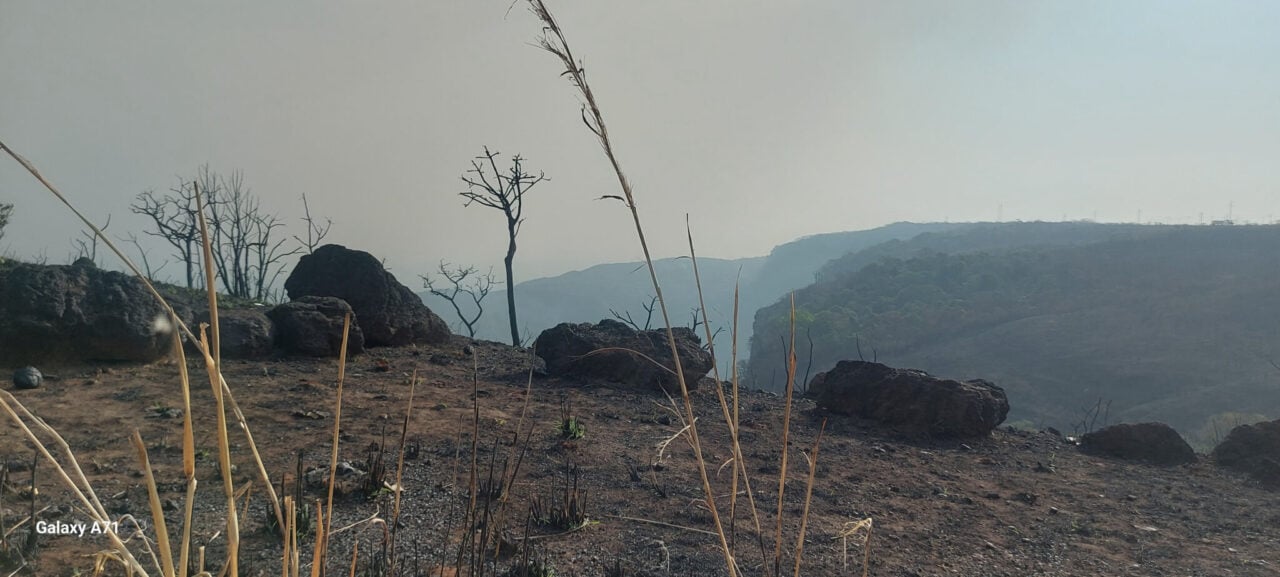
[(762, 121)]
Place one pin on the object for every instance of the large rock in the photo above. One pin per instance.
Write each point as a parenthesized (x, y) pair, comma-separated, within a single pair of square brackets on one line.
[(1253, 449), (27, 378), (909, 400), (1154, 443), (390, 314), (77, 313), (312, 326), (567, 348), (246, 333)]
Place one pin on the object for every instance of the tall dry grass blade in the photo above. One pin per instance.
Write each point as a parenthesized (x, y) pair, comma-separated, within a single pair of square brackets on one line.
[(188, 433), (808, 496), (399, 489), (737, 422), (224, 461), (210, 281), (295, 561), (730, 419), (553, 41), (322, 535), (157, 512), (322, 546), (211, 293), (786, 432), (188, 446), (288, 533), (184, 553)]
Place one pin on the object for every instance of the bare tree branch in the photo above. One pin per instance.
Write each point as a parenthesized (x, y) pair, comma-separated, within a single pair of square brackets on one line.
[(648, 317), (87, 247), (315, 232), (476, 289)]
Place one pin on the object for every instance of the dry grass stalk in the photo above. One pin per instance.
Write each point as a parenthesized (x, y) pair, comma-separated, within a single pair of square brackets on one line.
[(730, 419), (786, 431), (808, 496), (322, 537), (209, 278), (188, 448), (398, 489), (662, 524), (224, 461), (157, 512), (290, 538), (185, 553), (473, 485), (553, 41), (850, 529)]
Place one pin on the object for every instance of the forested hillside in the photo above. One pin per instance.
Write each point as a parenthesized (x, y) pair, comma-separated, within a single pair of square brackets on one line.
[(588, 295), (1164, 323)]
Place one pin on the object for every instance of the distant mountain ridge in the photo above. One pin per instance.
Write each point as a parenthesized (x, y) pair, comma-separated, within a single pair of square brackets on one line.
[(1169, 323), (587, 295)]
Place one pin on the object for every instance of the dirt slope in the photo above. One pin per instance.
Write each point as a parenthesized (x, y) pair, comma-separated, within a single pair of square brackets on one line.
[(1012, 504)]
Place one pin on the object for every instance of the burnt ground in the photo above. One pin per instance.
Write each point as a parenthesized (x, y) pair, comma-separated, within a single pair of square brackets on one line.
[(1014, 503)]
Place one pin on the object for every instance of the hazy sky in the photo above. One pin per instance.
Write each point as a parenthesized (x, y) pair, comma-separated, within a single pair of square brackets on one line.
[(764, 121)]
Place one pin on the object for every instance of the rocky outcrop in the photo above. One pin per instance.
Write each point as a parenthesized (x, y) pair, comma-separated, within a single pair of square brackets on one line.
[(570, 351), (77, 313), (1153, 443), (246, 333), (389, 313), (909, 400), (312, 326), (1254, 450)]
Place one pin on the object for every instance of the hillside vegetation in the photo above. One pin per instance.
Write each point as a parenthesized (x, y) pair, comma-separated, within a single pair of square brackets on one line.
[(1175, 324), (588, 295)]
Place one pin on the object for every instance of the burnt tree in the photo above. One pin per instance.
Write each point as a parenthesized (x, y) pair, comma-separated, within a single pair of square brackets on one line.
[(477, 288), (502, 190)]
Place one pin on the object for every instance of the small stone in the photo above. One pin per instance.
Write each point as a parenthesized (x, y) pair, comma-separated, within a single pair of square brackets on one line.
[(27, 378)]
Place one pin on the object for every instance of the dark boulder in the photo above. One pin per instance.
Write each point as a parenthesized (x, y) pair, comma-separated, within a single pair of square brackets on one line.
[(909, 400), (1254, 450), (246, 333), (1153, 443), (312, 326), (27, 378), (77, 313), (567, 349), (390, 313)]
